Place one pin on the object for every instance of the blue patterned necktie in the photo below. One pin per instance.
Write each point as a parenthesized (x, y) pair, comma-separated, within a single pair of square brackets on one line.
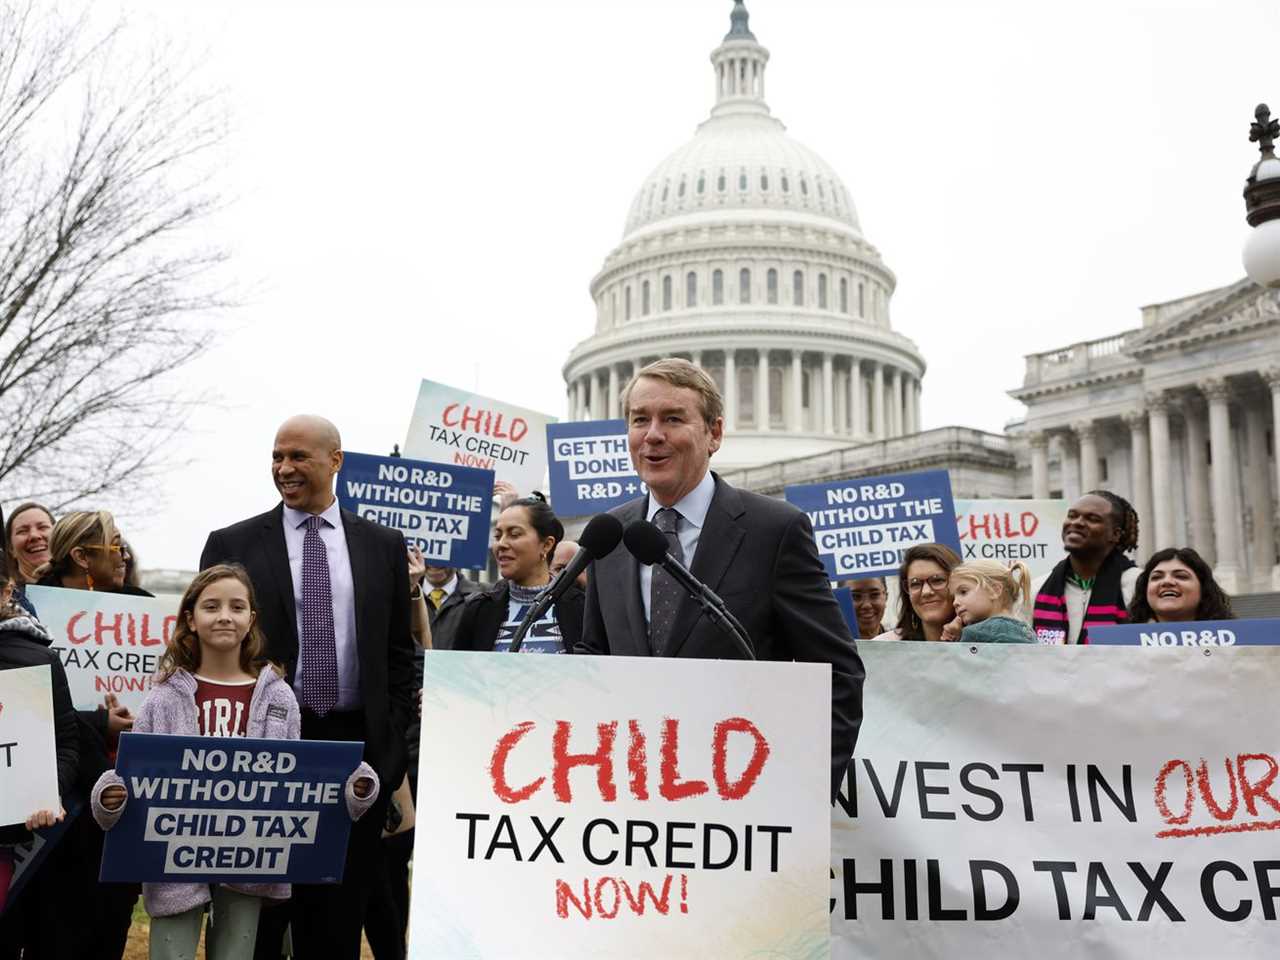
[(319, 648), (664, 592)]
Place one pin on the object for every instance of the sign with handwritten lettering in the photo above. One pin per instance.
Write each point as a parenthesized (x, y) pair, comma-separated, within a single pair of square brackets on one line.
[(28, 755), (1009, 530)]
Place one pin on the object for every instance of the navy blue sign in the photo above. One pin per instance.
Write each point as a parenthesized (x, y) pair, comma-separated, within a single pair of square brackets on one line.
[(29, 856), (230, 809), (441, 509), (863, 526), (1202, 633), (844, 598), (590, 466)]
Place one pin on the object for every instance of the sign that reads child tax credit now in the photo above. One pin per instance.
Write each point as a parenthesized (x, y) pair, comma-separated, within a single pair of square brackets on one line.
[(229, 809), (863, 526), (464, 428), (591, 467), (441, 509), (28, 757)]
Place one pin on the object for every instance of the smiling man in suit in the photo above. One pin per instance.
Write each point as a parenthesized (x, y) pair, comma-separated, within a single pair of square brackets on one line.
[(757, 553), (333, 604)]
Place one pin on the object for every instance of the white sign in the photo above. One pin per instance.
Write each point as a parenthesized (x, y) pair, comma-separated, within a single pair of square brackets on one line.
[(108, 642), (1008, 530), (28, 755), (611, 807), (464, 428), (1060, 802)]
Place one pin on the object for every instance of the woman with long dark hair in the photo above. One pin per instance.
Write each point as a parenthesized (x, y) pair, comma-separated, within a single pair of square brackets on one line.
[(924, 597), (1177, 586)]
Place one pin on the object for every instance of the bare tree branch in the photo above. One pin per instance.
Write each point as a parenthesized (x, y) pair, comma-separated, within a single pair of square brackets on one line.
[(107, 161)]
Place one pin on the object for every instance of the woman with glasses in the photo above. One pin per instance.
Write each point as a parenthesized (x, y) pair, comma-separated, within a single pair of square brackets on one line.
[(86, 552), (924, 599), (870, 596)]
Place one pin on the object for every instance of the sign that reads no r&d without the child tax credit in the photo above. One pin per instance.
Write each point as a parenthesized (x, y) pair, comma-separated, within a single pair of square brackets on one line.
[(441, 509), (591, 468), (864, 526)]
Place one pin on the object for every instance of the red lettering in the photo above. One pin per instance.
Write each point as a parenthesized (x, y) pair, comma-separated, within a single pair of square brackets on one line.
[(1262, 789), (1030, 523), (719, 752), (1161, 785), (100, 628), (636, 901), (519, 428), (497, 766), (595, 901), (170, 622), (599, 901), (637, 762), (669, 788), (565, 896), (71, 627), (147, 640), (1206, 792), (564, 761), (497, 432), (446, 417), (472, 419)]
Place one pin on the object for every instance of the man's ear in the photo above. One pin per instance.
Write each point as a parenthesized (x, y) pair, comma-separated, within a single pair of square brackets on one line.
[(717, 434)]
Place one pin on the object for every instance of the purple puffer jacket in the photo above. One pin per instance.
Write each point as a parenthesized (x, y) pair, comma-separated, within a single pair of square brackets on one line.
[(170, 708)]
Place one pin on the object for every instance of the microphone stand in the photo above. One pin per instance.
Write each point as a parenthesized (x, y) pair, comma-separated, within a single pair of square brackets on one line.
[(711, 604)]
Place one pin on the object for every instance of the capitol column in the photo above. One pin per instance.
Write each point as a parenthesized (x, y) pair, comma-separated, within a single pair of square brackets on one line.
[(1195, 446), (1272, 376), (900, 403), (857, 418), (1257, 484), (1087, 435), (1039, 443), (597, 396), (1225, 532), (915, 402), (828, 394), (795, 416), (578, 399), (762, 389), (877, 402), (1140, 477), (730, 391), (909, 407), (1069, 461), (612, 404), (1161, 473)]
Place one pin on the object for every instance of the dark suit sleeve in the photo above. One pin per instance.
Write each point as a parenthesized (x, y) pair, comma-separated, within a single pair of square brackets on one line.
[(400, 664), (809, 617), (594, 639), (66, 729)]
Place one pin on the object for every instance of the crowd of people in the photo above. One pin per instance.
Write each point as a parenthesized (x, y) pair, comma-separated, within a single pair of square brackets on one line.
[(309, 622)]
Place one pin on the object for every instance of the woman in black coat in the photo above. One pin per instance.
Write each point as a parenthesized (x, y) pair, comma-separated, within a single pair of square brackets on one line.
[(524, 541)]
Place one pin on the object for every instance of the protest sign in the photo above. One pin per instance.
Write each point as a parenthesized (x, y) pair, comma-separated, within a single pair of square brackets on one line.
[(1008, 530), (590, 467), (862, 527), (30, 854), (443, 510), (231, 809), (108, 642), (28, 755), (1200, 633), (844, 597), (1056, 802), (469, 430), (610, 807)]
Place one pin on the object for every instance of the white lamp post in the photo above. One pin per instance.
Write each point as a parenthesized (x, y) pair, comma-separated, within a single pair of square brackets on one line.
[(1262, 203)]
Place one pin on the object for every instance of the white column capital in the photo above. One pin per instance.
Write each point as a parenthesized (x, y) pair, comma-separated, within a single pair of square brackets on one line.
[(1085, 429), (1136, 421), (1158, 401), (1038, 440), (1215, 389), (1272, 376)]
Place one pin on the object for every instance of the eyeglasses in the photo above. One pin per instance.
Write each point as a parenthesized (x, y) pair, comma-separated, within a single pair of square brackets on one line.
[(936, 583), (111, 547)]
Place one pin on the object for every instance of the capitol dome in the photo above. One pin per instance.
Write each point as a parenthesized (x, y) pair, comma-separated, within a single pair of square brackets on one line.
[(742, 251)]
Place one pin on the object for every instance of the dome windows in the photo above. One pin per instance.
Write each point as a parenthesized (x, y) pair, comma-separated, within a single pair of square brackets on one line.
[(644, 299), (797, 288), (666, 190), (702, 183), (822, 291), (691, 290), (742, 181), (717, 288), (626, 304), (822, 195), (804, 186), (786, 184), (744, 285), (666, 292), (680, 190), (844, 294), (764, 181), (771, 282), (722, 182)]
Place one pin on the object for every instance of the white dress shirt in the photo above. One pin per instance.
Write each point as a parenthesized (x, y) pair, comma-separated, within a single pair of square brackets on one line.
[(692, 507), (342, 590)]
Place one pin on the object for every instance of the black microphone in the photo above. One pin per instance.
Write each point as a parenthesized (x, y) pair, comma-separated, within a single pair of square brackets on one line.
[(648, 544), (599, 538)]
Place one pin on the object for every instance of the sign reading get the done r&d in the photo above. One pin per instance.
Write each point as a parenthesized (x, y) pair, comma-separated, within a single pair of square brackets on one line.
[(864, 526), (591, 468)]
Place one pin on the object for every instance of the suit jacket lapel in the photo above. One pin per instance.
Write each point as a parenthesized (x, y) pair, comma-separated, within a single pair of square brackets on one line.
[(358, 556), (629, 588), (273, 545), (718, 542)]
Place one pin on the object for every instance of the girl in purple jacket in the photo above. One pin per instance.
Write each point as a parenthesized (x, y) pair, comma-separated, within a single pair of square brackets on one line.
[(211, 681)]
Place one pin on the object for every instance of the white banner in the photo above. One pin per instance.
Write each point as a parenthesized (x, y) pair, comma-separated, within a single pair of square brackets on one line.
[(1008, 530), (611, 807), (1034, 801), (108, 642), (470, 430), (28, 756)]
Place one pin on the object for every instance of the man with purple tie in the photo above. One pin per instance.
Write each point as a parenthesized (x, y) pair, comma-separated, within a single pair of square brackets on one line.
[(333, 600)]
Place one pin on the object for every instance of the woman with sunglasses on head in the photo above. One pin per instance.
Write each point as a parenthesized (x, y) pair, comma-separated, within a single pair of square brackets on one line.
[(924, 598), (86, 552)]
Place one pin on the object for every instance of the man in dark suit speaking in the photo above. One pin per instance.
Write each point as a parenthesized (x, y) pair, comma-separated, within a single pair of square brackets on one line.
[(757, 553), (333, 604)]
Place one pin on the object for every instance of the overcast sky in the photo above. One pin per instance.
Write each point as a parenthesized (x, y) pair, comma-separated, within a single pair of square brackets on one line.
[(427, 189)]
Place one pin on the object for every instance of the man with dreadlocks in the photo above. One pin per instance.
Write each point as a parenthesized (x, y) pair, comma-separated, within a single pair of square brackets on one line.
[(1093, 585)]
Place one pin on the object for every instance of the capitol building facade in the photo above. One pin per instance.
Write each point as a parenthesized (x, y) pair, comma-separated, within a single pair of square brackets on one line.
[(743, 252)]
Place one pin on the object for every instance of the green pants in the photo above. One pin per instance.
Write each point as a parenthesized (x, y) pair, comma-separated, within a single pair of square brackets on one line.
[(233, 926)]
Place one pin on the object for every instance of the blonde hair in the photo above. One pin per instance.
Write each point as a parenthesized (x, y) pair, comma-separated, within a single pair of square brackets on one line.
[(76, 529), (680, 373), (1009, 586)]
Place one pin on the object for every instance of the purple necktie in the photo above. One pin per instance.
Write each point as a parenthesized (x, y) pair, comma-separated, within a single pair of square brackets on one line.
[(319, 650)]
